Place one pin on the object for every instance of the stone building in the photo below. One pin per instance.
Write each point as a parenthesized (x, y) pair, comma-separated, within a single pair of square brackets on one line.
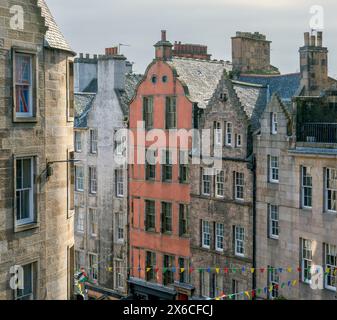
[(222, 193), (36, 139), (296, 156), (106, 84)]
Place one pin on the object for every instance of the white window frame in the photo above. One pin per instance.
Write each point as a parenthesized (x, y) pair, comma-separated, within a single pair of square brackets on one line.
[(273, 280), (218, 134), (239, 186), (30, 295), (330, 251), (206, 234), (80, 221), (31, 190), (239, 241), (306, 259), (219, 237), (30, 113), (119, 176), (220, 184), (229, 133), (206, 181), (93, 141), (93, 267), (305, 185), (274, 123), (79, 185), (93, 219), (328, 189), (119, 227), (78, 141), (274, 221), (93, 179), (119, 275), (273, 169), (205, 284), (238, 140)]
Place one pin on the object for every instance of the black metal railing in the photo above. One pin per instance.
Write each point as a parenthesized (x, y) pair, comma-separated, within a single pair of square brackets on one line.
[(317, 132)]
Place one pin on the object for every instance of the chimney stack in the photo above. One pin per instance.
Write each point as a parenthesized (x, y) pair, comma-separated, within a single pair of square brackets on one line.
[(163, 48), (113, 51), (314, 65)]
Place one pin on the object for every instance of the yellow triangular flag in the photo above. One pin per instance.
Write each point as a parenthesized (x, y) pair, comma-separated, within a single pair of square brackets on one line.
[(148, 270), (271, 289), (252, 270), (294, 283), (217, 270), (290, 270), (110, 269), (247, 294), (182, 270), (328, 270)]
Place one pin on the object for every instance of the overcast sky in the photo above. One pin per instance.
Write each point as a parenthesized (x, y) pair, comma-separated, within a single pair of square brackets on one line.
[(90, 26)]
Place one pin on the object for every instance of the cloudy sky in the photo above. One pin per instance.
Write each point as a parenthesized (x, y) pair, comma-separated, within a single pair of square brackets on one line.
[(90, 26)]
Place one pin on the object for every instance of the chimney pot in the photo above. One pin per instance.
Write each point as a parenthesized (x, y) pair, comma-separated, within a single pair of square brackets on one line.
[(306, 38), (163, 35), (313, 41), (319, 39), (87, 56)]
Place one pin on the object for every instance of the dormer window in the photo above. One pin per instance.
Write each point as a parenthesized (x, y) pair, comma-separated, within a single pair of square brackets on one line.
[(154, 79)]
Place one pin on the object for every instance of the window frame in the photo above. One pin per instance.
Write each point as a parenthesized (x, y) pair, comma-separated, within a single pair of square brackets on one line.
[(327, 190), (220, 236), (70, 90), (93, 186), (273, 280), (93, 222), (150, 214), (184, 217), (119, 227), (208, 181), (217, 133), (272, 220), (148, 119), (32, 116), (33, 217), (33, 280), (93, 137), (79, 213), (119, 275), (206, 235), (273, 169), (238, 230), (306, 261), (150, 262), (220, 180), (119, 183), (239, 186), (333, 268), (304, 187), (169, 112), (78, 142), (77, 178), (166, 217), (167, 165), (93, 275), (229, 134)]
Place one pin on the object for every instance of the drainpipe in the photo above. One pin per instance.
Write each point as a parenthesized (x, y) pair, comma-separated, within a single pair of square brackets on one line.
[(254, 222)]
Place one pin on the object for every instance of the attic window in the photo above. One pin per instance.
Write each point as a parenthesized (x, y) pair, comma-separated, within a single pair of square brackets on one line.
[(154, 79), (164, 79)]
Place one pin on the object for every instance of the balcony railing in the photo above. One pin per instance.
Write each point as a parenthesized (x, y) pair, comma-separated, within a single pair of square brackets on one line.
[(317, 132)]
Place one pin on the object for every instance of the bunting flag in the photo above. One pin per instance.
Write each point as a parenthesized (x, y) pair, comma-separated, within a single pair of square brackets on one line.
[(252, 294)]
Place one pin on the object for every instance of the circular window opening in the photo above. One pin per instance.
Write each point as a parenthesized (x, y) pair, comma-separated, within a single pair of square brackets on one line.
[(165, 79), (154, 79)]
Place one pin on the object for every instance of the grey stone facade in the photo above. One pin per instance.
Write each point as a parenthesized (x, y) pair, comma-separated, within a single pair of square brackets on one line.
[(105, 112)]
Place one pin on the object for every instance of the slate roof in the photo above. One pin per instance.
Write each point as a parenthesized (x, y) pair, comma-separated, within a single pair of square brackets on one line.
[(200, 76), (253, 98), (83, 104), (285, 86), (54, 37), (125, 96)]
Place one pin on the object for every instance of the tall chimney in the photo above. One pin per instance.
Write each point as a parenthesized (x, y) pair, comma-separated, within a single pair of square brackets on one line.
[(314, 65), (163, 48)]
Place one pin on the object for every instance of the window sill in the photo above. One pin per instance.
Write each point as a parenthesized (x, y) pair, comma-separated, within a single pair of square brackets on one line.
[(167, 233), (274, 182), (25, 120), (26, 227)]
